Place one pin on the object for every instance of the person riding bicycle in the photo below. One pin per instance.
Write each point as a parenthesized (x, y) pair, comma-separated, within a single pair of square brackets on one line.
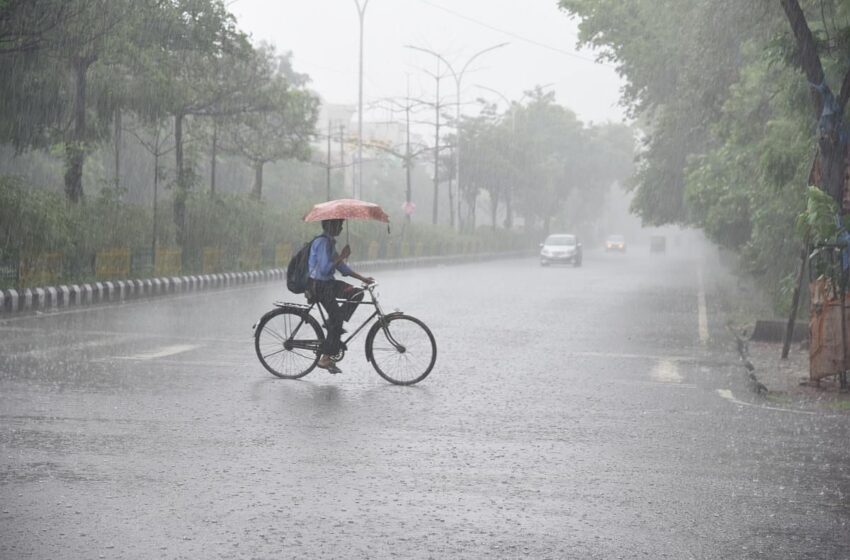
[(324, 288)]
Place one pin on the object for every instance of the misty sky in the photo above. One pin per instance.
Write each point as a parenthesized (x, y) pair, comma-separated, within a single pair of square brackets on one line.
[(323, 35)]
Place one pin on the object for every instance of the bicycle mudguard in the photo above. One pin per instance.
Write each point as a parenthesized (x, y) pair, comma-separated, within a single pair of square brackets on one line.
[(374, 330), (293, 307)]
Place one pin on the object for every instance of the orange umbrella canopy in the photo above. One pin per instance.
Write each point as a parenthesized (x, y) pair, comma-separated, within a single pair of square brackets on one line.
[(346, 209)]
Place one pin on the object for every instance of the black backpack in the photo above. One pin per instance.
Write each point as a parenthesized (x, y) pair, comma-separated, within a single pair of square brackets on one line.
[(297, 272)]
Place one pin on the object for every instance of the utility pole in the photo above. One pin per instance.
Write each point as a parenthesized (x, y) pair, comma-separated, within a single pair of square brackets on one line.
[(342, 155), (361, 11), (436, 149), (328, 196), (458, 77), (406, 154)]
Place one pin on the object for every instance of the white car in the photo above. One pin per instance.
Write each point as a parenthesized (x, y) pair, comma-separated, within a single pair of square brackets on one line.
[(560, 248)]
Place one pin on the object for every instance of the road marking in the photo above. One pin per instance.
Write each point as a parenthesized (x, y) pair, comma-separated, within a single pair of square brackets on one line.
[(727, 394), (654, 357), (645, 383), (184, 363), (162, 352), (240, 339), (135, 303), (49, 348), (666, 371), (703, 314)]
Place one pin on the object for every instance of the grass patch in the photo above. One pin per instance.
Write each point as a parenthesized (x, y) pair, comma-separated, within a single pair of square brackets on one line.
[(843, 404)]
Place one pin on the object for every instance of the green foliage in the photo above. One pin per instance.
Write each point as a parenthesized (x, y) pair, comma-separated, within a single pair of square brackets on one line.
[(727, 116), (540, 155), (818, 222), (31, 221), (36, 222), (283, 125)]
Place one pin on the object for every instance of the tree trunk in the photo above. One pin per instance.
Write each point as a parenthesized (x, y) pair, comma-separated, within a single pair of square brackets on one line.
[(451, 203), (117, 148), (473, 201), (436, 199), (181, 190), (494, 209), (257, 192), (213, 157), (830, 112), (75, 149), (509, 211)]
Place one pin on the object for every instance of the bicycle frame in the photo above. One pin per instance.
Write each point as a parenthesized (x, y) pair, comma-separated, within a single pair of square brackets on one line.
[(377, 312)]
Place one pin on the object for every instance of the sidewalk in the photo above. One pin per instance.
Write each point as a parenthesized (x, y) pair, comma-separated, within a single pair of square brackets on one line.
[(787, 381)]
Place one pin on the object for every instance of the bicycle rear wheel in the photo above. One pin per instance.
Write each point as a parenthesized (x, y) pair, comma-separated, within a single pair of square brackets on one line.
[(403, 351), (288, 341)]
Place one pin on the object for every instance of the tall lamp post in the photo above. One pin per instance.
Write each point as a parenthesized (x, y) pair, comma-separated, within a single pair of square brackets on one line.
[(361, 11), (458, 77)]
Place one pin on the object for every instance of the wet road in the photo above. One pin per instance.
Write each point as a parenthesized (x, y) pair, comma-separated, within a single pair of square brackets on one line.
[(572, 413)]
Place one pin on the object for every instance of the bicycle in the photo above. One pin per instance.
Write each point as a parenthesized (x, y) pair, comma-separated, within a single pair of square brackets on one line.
[(401, 348)]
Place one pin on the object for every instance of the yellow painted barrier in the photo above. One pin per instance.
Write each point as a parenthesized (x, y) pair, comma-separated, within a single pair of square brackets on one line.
[(250, 259), (212, 260), (112, 264), (41, 270), (169, 262), (282, 254), (420, 249), (373, 250)]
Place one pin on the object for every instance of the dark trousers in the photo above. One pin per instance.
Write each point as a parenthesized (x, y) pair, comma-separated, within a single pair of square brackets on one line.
[(326, 293)]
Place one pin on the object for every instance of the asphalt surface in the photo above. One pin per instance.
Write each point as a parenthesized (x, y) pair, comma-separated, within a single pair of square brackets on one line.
[(589, 412)]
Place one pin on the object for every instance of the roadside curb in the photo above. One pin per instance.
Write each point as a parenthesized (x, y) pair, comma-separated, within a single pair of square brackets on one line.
[(96, 293), (742, 347)]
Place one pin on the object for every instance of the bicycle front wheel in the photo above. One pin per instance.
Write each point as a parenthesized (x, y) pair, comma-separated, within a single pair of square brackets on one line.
[(402, 350), (288, 342)]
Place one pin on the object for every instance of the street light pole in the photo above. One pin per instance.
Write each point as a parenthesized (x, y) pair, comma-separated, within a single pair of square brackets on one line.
[(361, 11), (458, 77)]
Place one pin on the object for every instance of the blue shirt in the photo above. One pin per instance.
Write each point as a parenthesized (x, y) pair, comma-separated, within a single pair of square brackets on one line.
[(321, 261)]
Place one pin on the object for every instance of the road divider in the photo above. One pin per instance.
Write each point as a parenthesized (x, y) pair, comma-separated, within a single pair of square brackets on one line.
[(49, 298)]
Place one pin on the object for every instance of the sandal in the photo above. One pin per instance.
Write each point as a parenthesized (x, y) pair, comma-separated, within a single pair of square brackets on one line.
[(329, 366)]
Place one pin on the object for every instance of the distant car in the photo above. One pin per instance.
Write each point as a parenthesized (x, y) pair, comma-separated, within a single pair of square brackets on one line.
[(657, 244), (615, 243), (561, 248)]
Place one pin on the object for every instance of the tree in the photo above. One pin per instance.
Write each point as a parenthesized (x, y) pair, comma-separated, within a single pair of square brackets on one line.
[(283, 123), (27, 25), (727, 120), (559, 168), (832, 130), (679, 59), (202, 66), (47, 50), (489, 167)]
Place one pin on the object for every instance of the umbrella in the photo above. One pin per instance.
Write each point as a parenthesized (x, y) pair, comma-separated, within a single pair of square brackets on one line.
[(346, 209)]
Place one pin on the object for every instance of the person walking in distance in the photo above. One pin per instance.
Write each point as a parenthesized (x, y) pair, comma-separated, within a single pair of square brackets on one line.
[(323, 262)]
